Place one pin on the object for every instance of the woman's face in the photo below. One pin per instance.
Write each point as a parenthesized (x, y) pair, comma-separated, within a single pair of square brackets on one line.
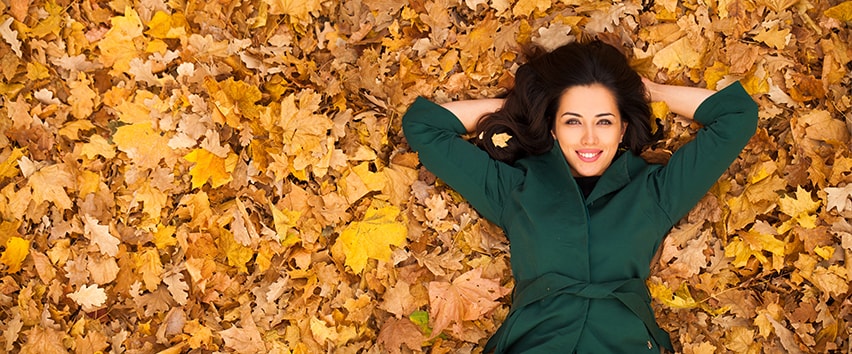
[(588, 128)]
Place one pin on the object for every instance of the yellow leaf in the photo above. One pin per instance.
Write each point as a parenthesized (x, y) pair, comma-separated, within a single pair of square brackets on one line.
[(209, 167), (118, 47), (150, 267), (163, 25), (715, 73), (37, 71), (841, 12), (82, 99), (16, 251), (774, 38), (9, 167), (681, 299), (678, 55), (51, 24), (165, 236), (801, 207), (298, 9), (285, 220), (526, 7), (98, 145), (143, 145), (501, 140), (372, 237), (825, 252), (237, 254)]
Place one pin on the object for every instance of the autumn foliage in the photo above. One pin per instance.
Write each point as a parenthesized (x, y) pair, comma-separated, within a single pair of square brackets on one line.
[(198, 176)]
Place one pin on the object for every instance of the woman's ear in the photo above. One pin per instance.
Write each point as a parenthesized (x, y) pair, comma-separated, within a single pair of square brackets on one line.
[(623, 129)]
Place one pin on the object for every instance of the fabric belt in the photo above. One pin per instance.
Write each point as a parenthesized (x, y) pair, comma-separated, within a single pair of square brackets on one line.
[(631, 292)]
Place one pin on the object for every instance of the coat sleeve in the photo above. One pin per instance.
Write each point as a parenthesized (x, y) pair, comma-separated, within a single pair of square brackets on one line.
[(436, 135), (730, 119)]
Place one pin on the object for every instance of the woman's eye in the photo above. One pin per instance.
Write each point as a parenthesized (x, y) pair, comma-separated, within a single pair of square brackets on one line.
[(604, 122), (572, 122)]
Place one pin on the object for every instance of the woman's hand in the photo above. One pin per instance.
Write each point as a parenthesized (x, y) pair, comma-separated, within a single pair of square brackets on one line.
[(682, 100), (469, 111)]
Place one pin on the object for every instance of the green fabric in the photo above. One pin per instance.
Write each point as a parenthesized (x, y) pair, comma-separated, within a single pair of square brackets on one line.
[(590, 255)]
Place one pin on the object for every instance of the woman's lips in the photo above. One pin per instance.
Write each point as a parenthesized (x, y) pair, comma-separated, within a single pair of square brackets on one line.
[(589, 155)]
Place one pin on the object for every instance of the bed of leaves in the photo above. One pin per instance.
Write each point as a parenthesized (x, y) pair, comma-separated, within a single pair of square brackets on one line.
[(201, 176)]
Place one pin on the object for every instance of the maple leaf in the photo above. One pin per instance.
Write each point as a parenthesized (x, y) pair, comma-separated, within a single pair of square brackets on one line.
[(372, 236), (210, 168), (678, 55), (90, 297), (164, 25), (48, 185), (118, 48), (467, 298), (143, 144), (396, 333), (801, 208), (299, 9), (16, 251)]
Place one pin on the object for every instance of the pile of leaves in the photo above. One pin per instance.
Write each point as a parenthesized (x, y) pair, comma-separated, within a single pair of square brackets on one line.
[(198, 176)]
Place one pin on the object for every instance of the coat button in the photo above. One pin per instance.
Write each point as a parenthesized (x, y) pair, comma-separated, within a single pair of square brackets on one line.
[(650, 346)]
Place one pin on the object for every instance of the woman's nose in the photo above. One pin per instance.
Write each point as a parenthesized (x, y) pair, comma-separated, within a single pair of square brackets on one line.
[(589, 136)]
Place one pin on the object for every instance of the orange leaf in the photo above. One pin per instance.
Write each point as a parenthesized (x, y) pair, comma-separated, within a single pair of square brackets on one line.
[(467, 298)]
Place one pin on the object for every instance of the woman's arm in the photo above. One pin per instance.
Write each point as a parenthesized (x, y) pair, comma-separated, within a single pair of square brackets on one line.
[(469, 111), (682, 100)]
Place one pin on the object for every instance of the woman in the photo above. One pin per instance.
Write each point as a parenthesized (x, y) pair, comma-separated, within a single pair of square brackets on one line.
[(583, 216)]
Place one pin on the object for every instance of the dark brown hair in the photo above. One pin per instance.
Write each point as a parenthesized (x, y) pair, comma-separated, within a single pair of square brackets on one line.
[(529, 111)]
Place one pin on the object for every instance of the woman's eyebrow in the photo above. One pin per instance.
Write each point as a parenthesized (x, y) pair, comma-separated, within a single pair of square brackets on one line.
[(605, 114)]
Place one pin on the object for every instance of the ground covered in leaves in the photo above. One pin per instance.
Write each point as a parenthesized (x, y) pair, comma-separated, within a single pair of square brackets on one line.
[(197, 176)]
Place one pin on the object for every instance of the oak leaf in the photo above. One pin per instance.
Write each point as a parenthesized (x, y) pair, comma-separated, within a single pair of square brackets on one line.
[(839, 198), (150, 267), (90, 297), (372, 237), (243, 339), (11, 36), (100, 236)]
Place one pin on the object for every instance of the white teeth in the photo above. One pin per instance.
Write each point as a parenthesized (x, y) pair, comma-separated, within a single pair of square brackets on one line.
[(587, 155)]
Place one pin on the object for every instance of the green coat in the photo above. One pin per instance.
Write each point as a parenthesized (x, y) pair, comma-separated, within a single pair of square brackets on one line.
[(580, 263)]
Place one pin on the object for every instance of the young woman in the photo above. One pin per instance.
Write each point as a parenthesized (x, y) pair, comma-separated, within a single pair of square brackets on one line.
[(557, 168)]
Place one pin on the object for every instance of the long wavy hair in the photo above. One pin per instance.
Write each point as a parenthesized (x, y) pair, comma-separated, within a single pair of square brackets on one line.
[(529, 111)]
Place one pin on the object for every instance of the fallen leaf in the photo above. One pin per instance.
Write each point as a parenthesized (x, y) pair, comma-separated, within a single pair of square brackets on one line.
[(372, 237), (90, 297)]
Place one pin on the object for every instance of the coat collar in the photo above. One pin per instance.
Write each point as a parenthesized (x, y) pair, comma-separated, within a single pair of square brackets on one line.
[(619, 174)]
